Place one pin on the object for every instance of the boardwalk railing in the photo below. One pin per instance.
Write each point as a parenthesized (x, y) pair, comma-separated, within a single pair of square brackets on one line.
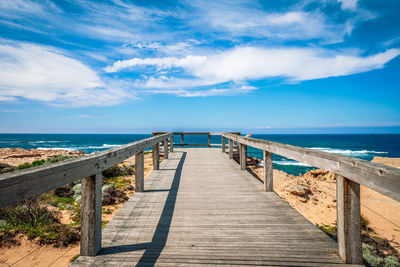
[(352, 172), (20, 185), (182, 134)]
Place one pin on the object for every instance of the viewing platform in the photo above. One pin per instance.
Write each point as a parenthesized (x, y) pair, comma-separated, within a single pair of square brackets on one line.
[(199, 207)]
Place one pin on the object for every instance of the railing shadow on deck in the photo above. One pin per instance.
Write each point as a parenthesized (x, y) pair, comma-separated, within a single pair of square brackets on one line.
[(154, 248)]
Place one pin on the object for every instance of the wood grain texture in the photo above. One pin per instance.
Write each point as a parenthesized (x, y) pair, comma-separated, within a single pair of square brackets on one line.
[(166, 149), (171, 144), (243, 156), (268, 172), (380, 178), (349, 220), (156, 156), (139, 172), (223, 140), (19, 185), (199, 210), (230, 148), (91, 215)]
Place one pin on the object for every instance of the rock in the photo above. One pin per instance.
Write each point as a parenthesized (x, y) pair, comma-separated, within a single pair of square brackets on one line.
[(320, 175), (6, 168), (111, 195), (129, 187), (298, 190)]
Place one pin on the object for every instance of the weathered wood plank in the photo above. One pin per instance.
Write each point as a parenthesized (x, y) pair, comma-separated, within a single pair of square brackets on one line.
[(177, 221), (139, 172), (166, 149), (230, 148), (156, 156), (91, 215), (171, 141), (223, 144), (243, 156), (19, 185), (349, 220), (268, 172), (378, 177)]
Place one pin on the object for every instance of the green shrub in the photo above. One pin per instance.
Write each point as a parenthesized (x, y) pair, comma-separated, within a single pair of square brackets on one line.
[(390, 261), (38, 222), (43, 162), (370, 256), (119, 170)]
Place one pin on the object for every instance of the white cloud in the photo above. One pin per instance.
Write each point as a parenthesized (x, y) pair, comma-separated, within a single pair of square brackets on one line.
[(46, 74), (247, 18), (251, 63), (348, 4)]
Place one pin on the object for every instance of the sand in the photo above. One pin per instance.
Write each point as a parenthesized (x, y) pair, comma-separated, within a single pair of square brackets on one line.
[(28, 252), (313, 195)]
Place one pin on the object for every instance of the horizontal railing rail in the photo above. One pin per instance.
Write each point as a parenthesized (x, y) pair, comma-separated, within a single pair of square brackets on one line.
[(380, 178), (351, 173), (182, 134), (23, 184)]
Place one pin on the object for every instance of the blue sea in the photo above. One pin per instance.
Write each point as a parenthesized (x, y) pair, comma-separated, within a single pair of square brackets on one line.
[(364, 146)]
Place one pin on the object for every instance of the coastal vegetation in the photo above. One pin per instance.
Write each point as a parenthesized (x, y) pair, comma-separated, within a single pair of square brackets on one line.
[(377, 251), (40, 218)]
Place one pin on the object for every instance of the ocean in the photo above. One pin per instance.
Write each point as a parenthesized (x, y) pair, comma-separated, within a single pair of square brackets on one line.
[(364, 146)]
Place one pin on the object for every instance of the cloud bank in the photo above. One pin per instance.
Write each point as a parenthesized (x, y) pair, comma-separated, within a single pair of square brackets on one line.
[(243, 64), (46, 74)]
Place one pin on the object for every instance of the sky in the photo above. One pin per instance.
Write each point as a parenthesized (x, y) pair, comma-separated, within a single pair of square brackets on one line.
[(278, 66)]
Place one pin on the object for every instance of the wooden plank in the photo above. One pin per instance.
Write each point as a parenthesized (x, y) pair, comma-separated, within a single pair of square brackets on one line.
[(380, 178), (19, 185), (232, 222), (243, 156), (268, 172), (171, 145), (349, 220), (223, 144), (156, 156), (91, 215), (209, 140), (230, 148), (166, 149), (139, 172)]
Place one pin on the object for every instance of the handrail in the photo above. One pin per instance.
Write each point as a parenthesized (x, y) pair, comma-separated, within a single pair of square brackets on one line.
[(19, 185), (352, 172), (380, 178), (182, 134)]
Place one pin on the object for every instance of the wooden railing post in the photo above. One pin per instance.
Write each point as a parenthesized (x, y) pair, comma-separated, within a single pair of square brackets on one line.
[(243, 156), (230, 142), (181, 139), (349, 220), (91, 215), (156, 157), (268, 172), (209, 140), (166, 149), (171, 143), (139, 172), (223, 144)]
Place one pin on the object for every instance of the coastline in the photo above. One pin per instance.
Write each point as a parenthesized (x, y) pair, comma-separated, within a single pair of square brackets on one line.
[(312, 194)]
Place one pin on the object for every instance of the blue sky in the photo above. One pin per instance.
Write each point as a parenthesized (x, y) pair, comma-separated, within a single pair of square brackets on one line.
[(258, 66)]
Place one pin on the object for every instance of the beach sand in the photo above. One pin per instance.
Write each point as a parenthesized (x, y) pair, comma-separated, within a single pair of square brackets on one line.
[(312, 194)]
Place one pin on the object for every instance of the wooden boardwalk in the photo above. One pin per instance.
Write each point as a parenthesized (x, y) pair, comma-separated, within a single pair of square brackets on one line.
[(200, 209)]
